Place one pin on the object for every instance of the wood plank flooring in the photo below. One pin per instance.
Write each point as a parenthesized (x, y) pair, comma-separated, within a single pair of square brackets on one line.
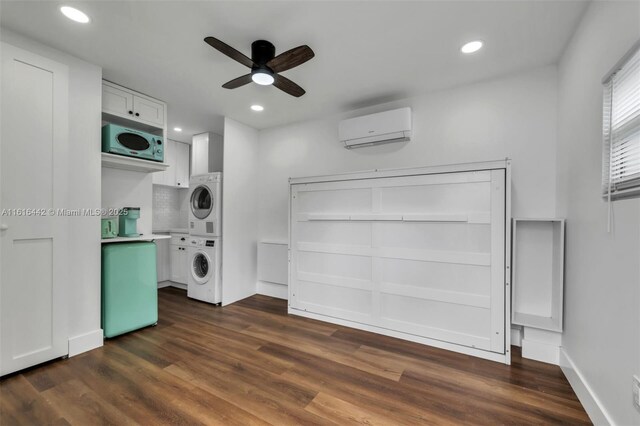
[(251, 363)]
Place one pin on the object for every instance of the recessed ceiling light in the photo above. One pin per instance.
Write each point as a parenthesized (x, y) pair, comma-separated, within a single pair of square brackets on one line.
[(472, 46), (257, 107), (177, 129), (74, 14)]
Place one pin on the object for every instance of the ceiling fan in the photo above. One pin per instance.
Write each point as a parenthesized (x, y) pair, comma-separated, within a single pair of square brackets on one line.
[(265, 65)]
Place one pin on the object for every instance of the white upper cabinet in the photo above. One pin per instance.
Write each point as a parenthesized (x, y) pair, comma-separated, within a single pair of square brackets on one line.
[(176, 155), (182, 164), (148, 111), (116, 101), (122, 102)]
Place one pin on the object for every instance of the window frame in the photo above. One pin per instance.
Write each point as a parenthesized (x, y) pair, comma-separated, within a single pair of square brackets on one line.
[(631, 187)]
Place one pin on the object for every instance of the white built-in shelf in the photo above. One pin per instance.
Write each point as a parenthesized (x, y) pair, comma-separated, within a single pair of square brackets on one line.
[(149, 237), (538, 273), (121, 162)]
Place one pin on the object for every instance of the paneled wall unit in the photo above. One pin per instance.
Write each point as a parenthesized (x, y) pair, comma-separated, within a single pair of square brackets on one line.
[(419, 254), (34, 260)]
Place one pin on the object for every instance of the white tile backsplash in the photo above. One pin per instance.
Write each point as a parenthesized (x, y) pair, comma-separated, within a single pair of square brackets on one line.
[(170, 208)]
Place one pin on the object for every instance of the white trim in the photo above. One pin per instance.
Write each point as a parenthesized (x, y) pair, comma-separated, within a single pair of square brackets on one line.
[(279, 291), (178, 285), (621, 62), (492, 356), (163, 284), (516, 336), (540, 351), (409, 171), (592, 405), (85, 342)]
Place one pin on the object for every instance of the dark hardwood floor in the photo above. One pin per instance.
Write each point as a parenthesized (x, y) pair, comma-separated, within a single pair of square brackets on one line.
[(251, 363)]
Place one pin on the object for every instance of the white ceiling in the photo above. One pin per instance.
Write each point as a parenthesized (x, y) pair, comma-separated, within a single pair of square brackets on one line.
[(366, 52)]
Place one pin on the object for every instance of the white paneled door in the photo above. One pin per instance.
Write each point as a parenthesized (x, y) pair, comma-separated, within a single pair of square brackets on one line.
[(420, 255), (34, 244)]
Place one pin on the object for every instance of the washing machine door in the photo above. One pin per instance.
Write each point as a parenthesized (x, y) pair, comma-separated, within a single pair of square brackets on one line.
[(201, 267), (201, 202)]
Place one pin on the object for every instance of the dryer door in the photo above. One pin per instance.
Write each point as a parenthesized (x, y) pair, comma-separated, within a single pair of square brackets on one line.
[(201, 267), (201, 202)]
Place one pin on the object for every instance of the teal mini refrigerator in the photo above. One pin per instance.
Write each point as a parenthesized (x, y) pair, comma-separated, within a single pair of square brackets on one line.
[(129, 287)]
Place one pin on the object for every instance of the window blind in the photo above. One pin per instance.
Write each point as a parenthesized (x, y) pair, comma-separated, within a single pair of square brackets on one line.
[(621, 130)]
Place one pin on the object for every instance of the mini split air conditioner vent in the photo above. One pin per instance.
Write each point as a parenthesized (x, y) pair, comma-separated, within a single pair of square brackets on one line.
[(374, 129)]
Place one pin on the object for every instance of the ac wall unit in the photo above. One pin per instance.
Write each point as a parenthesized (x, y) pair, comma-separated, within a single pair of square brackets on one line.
[(374, 129)]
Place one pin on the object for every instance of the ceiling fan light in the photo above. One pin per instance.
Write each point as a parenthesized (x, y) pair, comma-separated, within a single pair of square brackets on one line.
[(262, 78)]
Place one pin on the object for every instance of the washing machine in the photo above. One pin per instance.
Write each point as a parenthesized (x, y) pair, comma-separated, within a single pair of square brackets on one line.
[(205, 199), (204, 280)]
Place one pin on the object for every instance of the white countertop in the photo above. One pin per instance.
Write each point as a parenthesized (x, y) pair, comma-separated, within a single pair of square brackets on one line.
[(149, 237), (172, 231)]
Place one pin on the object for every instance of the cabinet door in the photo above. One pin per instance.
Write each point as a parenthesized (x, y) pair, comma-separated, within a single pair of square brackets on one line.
[(117, 101), (183, 266), (148, 111), (168, 176), (34, 260), (175, 257), (162, 261), (182, 165)]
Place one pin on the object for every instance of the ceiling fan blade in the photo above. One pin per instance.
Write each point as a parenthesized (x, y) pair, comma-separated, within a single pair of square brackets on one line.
[(229, 51), (288, 86), (237, 82), (291, 58)]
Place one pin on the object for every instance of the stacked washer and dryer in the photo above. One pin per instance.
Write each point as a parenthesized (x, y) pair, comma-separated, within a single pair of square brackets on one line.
[(205, 238)]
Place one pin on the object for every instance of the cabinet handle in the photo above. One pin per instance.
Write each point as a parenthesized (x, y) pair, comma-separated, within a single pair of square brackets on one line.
[(182, 239), (137, 114), (130, 112), (178, 183)]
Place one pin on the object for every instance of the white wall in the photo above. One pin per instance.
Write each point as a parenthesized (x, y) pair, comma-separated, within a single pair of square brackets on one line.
[(602, 284), (124, 188), (85, 94), (207, 153), (170, 208), (239, 211), (511, 117)]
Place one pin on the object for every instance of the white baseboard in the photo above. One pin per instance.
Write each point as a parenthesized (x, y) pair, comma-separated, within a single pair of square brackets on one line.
[(178, 285), (592, 405), (540, 351), (85, 342), (279, 291), (516, 336), (163, 284)]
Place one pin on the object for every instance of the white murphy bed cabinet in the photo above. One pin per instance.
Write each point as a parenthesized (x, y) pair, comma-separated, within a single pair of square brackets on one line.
[(420, 254), (33, 297), (176, 156)]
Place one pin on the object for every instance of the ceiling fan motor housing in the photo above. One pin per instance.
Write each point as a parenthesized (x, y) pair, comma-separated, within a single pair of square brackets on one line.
[(262, 52)]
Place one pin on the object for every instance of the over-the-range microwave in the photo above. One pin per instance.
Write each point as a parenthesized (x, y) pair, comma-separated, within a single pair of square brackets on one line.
[(133, 143)]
